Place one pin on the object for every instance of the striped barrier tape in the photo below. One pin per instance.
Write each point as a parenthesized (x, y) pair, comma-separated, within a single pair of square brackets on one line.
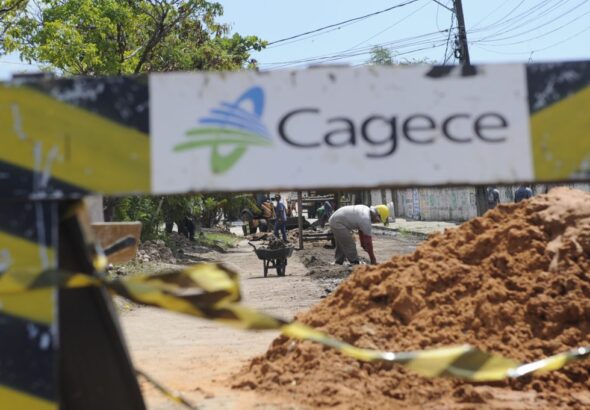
[(212, 292)]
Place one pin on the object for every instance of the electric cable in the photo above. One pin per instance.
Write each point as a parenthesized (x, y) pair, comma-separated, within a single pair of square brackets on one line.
[(560, 42), (355, 19), (530, 16), (543, 24), (389, 27), (337, 57), (402, 43), (446, 55)]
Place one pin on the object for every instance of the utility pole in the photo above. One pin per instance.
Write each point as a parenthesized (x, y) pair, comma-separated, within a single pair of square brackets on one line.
[(462, 53)]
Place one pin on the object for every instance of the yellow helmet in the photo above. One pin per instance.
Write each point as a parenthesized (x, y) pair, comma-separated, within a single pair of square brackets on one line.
[(383, 212)]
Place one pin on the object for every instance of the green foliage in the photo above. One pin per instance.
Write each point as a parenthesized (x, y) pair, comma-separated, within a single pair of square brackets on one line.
[(103, 37), (111, 37), (10, 12), (139, 208), (384, 56), (234, 206), (174, 208), (381, 56), (211, 212), (153, 212), (210, 209), (220, 239)]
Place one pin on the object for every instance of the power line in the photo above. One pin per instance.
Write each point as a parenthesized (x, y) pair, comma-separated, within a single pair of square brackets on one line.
[(490, 13), (336, 58), (542, 34), (17, 63), (401, 43), (446, 56), (299, 39), (531, 15), (538, 49), (444, 5), (505, 17), (519, 19), (388, 27), (355, 19), (351, 53), (536, 19)]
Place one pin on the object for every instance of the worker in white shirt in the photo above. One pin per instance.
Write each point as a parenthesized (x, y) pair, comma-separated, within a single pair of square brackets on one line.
[(356, 218)]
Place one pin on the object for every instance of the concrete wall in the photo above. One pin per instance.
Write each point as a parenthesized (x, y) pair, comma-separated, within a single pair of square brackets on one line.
[(453, 204), (381, 196), (436, 204)]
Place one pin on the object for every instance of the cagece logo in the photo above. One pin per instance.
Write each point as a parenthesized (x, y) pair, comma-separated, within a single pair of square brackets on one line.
[(232, 124)]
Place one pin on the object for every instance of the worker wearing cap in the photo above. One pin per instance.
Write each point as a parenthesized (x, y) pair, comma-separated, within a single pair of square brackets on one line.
[(355, 217)]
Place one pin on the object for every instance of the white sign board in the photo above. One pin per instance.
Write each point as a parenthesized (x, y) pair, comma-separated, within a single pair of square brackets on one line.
[(338, 128)]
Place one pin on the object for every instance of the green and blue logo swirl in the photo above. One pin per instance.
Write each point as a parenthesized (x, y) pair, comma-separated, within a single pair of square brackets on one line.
[(231, 124)]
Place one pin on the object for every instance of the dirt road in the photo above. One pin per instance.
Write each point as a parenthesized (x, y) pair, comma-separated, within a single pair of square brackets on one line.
[(198, 358)]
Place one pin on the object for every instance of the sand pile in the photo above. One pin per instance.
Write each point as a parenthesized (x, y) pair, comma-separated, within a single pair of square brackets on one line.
[(516, 282)]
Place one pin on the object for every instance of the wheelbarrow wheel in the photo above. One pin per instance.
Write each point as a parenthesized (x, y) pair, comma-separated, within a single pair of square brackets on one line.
[(281, 268)]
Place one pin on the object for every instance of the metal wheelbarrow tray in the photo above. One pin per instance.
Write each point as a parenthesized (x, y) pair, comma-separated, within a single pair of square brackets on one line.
[(274, 258)]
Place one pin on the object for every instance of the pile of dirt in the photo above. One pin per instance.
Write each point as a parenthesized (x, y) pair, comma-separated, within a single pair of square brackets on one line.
[(155, 251), (178, 241), (275, 243), (515, 282), (269, 241), (259, 236)]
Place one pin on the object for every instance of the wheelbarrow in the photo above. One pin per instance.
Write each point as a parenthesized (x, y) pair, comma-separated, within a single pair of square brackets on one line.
[(273, 258)]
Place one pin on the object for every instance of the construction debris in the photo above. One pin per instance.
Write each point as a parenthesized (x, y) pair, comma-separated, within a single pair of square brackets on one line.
[(155, 251), (275, 243)]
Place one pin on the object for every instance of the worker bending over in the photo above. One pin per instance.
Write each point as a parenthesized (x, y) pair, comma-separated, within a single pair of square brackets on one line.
[(355, 217)]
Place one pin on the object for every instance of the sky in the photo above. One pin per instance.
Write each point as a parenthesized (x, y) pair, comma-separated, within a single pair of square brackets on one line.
[(498, 31)]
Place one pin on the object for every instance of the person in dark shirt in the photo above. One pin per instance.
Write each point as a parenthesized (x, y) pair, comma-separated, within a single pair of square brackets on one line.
[(493, 197), (522, 192), (324, 213), (189, 227)]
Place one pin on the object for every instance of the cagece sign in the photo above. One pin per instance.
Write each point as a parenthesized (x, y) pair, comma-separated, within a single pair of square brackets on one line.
[(326, 127)]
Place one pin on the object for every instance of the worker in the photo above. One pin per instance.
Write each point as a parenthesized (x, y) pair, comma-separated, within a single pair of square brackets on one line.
[(268, 214), (324, 213), (356, 217), (493, 197), (250, 224), (523, 192), (291, 208), (281, 221), (189, 227)]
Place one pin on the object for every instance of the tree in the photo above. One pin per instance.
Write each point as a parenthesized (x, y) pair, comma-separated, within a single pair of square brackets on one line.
[(106, 37), (114, 37), (384, 56), (381, 56), (10, 11)]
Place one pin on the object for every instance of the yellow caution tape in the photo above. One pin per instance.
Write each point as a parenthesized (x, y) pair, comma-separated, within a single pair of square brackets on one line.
[(212, 291)]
